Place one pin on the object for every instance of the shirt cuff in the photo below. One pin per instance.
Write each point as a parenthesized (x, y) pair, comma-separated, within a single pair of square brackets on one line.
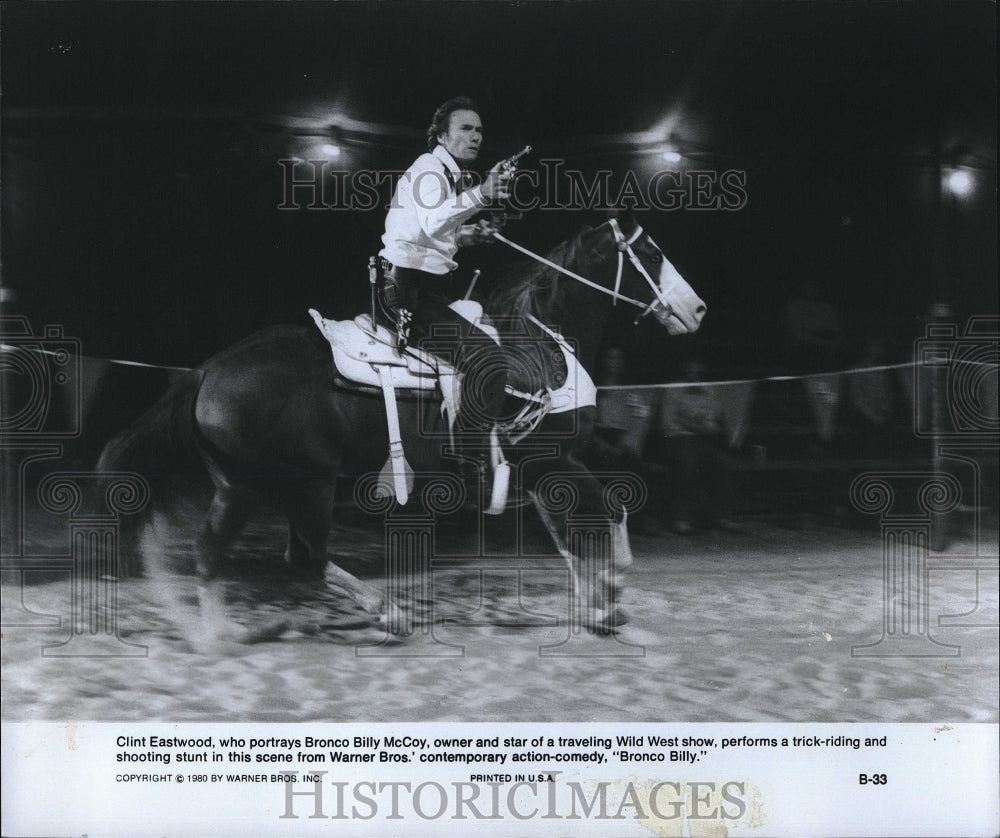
[(476, 196)]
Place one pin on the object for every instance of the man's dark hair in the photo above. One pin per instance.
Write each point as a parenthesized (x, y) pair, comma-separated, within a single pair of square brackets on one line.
[(439, 124)]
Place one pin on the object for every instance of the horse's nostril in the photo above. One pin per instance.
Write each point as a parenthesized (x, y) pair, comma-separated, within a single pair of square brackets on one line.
[(700, 310)]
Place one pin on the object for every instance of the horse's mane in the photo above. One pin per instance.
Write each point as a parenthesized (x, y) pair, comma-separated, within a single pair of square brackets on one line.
[(531, 287)]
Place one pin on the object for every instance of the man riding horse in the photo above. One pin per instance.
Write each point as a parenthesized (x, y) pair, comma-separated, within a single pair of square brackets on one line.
[(424, 228), (275, 419)]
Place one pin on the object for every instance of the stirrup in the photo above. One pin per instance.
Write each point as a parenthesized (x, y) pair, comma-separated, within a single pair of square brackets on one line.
[(501, 476), (496, 465)]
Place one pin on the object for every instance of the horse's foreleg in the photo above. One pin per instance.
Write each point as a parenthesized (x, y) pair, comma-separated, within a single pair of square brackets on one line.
[(555, 534), (610, 581), (309, 515), (607, 566), (597, 575), (297, 550)]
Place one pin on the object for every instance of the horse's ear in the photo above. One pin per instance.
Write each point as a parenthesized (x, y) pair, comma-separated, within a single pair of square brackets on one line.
[(624, 217)]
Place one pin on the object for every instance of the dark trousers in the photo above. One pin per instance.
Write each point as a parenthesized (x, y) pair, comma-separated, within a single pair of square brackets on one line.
[(437, 329), (701, 471)]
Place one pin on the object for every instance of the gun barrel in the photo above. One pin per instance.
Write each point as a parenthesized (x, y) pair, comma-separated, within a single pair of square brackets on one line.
[(510, 162), (521, 153)]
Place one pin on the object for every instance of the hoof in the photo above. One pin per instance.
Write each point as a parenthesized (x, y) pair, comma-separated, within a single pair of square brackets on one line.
[(233, 633), (265, 633), (308, 571), (617, 617), (393, 620), (611, 589), (606, 622)]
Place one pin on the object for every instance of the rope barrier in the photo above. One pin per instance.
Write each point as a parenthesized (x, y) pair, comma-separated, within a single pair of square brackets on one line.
[(854, 371), (5, 347)]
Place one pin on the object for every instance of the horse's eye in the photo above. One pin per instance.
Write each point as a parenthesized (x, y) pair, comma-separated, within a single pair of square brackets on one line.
[(656, 257)]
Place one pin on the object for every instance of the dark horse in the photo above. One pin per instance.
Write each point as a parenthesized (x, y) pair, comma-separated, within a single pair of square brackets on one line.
[(268, 418)]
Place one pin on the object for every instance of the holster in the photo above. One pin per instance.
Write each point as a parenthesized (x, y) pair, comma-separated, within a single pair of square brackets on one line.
[(399, 294)]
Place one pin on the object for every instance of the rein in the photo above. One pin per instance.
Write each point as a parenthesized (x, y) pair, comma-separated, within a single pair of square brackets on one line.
[(623, 246)]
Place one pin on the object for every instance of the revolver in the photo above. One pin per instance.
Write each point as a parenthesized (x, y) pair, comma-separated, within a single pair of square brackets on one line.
[(510, 163)]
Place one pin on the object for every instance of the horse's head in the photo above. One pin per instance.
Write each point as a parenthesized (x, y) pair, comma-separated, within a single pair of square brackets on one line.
[(646, 279), (618, 259)]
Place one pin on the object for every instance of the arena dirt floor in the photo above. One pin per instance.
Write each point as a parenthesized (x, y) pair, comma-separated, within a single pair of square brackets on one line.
[(756, 626)]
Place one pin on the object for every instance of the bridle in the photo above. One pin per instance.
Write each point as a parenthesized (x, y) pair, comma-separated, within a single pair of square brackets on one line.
[(624, 247)]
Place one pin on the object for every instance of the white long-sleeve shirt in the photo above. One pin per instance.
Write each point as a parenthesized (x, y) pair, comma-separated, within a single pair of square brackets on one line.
[(421, 227)]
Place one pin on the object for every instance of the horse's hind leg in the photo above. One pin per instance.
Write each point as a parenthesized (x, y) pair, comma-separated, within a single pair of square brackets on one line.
[(309, 518), (224, 520), (309, 513)]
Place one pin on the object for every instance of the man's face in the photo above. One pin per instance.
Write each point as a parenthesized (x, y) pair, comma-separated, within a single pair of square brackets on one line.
[(463, 137)]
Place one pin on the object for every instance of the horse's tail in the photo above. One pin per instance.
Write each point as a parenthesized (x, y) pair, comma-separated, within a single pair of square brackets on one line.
[(160, 446)]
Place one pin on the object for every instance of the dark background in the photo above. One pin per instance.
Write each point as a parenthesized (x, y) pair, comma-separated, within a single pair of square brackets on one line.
[(141, 143)]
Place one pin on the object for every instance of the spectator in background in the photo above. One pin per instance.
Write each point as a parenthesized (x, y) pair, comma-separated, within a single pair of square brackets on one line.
[(693, 444), (871, 401), (871, 392), (812, 331), (622, 417)]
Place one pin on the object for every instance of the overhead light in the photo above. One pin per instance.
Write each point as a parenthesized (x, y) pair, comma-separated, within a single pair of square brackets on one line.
[(672, 156), (330, 150), (960, 182)]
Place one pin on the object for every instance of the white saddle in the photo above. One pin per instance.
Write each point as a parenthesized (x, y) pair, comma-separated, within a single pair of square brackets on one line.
[(358, 350)]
